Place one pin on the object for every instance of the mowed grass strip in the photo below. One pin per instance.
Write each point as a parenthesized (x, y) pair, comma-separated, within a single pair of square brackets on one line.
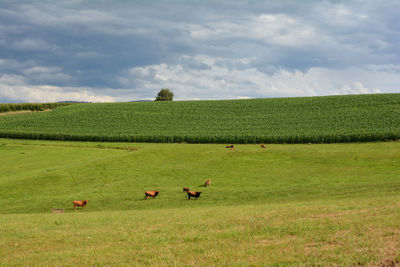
[(327, 119), (346, 232)]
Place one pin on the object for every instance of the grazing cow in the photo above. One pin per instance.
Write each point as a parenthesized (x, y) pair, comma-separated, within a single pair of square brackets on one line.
[(194, 194), (231, 147), (80, 203), (152, 194), (186, 189), (263, 146), (207, 183)]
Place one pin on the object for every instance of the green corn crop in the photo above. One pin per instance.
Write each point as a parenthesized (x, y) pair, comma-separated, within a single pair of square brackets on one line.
[(328, 119)]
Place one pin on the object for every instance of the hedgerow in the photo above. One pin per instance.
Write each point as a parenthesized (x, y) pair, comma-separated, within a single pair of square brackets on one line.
[(30, 106)]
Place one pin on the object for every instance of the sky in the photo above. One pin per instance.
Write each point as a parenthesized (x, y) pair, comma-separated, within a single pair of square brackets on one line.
[(119, 51)]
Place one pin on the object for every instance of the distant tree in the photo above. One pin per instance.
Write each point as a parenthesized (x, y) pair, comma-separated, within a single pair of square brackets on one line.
[(165, 95)]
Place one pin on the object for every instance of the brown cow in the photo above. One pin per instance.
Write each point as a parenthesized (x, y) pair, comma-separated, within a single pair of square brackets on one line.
[(207, 183), (186, 189), (80, 203), (231, 147), (152, 194), (263, 146), (194, 194)]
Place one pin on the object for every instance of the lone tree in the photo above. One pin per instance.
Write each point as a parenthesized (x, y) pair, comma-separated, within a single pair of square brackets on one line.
[(165, 95)]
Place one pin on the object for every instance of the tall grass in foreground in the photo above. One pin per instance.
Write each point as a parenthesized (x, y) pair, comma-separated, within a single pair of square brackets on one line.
[(331, 119), (347, 232)]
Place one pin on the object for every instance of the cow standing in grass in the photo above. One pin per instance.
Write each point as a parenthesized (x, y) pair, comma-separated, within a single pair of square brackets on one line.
[(231, 147), (207, 183), (152, 194), (80, 203), (194, 194), (263, 146)]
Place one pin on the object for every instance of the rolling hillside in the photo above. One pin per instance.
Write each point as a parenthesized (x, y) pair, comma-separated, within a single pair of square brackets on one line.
[(36, 176), (352, 118), (285, 205)]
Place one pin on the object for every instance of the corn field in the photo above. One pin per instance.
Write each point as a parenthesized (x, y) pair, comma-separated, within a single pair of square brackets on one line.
[(30, 106), (328, 119)]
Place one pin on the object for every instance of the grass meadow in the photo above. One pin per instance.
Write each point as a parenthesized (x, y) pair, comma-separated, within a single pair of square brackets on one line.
[(301, 205)]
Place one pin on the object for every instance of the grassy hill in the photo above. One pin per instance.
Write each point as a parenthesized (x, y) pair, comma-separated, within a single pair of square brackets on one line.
[(352, 118), (322, 204), (37, 176)]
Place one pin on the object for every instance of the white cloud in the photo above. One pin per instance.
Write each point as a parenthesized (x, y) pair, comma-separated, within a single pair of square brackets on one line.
[(216, 82), (220, 82), (14, 87), (357, 88), (243, 97)]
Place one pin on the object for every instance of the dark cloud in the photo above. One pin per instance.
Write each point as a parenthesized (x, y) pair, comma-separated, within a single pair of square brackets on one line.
[(140, 45)]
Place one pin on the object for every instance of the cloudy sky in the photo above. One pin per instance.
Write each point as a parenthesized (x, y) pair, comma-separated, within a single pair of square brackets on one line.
[(103, 51)]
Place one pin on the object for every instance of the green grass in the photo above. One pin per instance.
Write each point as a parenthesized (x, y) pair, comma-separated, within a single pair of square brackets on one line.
[(358, 231), (307, 205), (329, 119), (37, 176)]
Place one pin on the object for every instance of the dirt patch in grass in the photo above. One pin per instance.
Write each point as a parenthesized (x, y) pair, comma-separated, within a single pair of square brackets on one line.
[(10, 113), (277, 241), (390, 253), (15, 112)]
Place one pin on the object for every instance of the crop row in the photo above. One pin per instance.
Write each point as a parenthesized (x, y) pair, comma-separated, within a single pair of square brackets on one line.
[(248, 139)]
